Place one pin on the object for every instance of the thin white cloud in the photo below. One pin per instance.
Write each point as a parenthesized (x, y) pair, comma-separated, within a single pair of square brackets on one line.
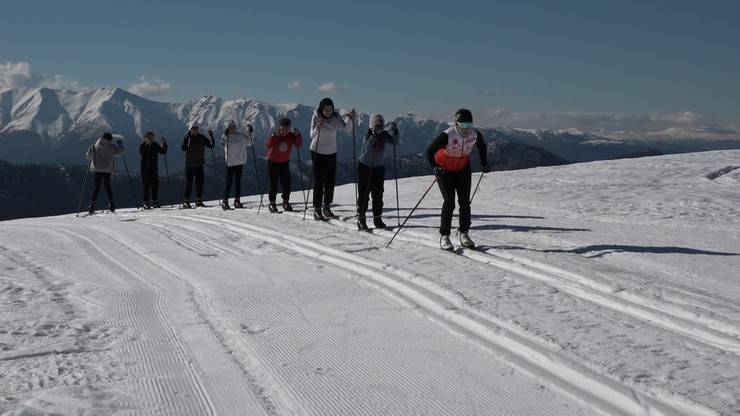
[(295, 85), (614, 124), (591, 121), (150, 87), (332, 88), (20, 75)]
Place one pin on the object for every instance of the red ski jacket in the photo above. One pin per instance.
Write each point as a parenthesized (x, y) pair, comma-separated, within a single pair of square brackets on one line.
[(279, 147)]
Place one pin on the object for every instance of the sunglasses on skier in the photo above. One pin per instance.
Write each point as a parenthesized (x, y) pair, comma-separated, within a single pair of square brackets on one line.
[(465, 125)]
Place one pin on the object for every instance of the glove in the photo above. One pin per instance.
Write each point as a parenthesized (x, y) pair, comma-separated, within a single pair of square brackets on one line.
[(119, 142), (210, 133), (485, 168), (164, 141), (296, 132), (438, 171), (250, 128), (394, 128)]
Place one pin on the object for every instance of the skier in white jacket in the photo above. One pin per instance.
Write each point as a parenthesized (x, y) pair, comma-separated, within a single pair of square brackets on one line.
[(325, 124), (235, 152)]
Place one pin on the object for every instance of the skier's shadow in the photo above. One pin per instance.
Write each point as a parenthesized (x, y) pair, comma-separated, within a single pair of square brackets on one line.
[(479, 216), (527, 228), (601, 250)]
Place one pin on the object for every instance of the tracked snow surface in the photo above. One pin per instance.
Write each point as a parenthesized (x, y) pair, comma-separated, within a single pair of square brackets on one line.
[(606, 288)]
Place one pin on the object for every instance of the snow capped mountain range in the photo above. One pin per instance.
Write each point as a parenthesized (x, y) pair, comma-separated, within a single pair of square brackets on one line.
[(42, 125)]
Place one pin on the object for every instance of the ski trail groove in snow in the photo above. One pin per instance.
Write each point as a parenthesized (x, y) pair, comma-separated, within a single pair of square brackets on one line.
[(196, 358), (137, 301), (716, 332), (529, 354), (227, 388)]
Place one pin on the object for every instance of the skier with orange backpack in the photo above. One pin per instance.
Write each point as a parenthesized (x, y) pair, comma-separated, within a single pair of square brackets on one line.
[(449, 155)]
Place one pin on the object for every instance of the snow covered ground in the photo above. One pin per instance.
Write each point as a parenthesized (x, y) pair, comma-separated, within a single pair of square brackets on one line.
[(600, 288)]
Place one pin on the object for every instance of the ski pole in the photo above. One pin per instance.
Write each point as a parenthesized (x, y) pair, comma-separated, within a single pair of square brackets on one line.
[(257, 176), (354, 154), (412, 212), (476, 187), (130, 181), (300, 171), (169, 184), (84, 184), (395, 175), (313, 169)]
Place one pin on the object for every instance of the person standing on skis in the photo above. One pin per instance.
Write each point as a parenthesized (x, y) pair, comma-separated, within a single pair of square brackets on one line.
[(279, 146), (325, 124), (150, 151), (101, 156), (194, 145), (235, 151), (371, 172), (449, 155)]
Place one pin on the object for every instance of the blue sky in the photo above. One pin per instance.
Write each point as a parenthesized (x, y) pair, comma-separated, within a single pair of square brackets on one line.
[(498, 58)]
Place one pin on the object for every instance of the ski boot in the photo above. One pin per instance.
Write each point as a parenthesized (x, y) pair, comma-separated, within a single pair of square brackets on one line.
[(225, 205), (318, 216), (91, 208), (361, 224), (378, 223), (238, 204), (272, 207), (287, 206), (155, 204), (326, 212), (186, 205), (111, 207), (465, 240), (147, 205), (445, 243), (199, 203)]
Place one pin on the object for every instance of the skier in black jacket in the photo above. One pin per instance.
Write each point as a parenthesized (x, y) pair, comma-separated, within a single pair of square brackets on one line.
[(449, 155), (150, 151), (194, 144)]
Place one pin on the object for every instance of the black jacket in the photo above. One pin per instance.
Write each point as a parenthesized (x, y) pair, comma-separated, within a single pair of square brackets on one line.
[(195, 149), (150, 156)]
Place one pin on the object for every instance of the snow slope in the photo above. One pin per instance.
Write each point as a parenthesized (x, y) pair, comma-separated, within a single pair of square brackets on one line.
[(599, 288)]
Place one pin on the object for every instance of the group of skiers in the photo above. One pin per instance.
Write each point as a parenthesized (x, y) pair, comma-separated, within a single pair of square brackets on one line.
[(448, 155)]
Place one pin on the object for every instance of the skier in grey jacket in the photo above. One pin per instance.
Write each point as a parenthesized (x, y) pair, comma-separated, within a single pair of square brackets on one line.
[(371, 170), (101, 156)]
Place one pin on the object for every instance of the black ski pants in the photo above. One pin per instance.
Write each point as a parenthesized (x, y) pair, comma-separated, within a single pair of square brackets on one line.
[(279, 173), (370, 182), (324, 178), (102, 178), (194, 173), (234, 175), (452, 183), (150, 183)]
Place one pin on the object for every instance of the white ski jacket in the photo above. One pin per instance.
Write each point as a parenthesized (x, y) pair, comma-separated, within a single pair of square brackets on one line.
[(327, 140), (235, 148)]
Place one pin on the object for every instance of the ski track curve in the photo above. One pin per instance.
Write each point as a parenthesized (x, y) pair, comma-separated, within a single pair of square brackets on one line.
[(691, 330), (307, 393), (710, 328), (527, 353)]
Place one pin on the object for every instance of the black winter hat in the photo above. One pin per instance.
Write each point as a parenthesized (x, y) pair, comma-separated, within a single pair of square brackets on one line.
[(324, 102), (284, 122), (463, 115), (107, 136)]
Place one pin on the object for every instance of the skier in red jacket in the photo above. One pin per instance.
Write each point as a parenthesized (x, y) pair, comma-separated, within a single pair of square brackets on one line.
[(279, 147)]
